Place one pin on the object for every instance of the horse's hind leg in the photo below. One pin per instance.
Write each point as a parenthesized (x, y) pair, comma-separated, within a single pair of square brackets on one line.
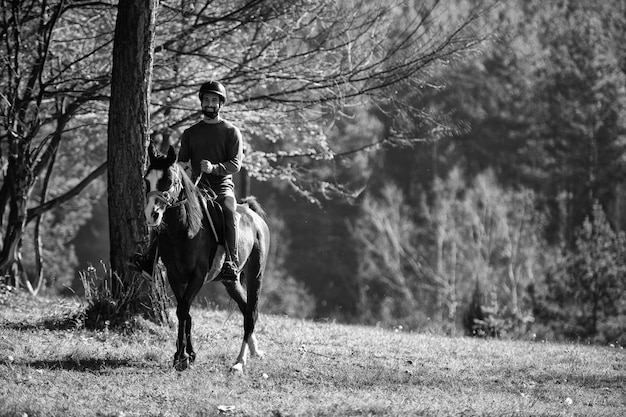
[(249, 309), (252, 312), (236, 292)]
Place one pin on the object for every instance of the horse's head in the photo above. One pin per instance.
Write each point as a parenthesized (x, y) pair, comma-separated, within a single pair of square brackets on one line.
[(163, 185)]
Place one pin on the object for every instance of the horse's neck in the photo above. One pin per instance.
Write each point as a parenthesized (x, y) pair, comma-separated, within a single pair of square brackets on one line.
[(186, 216), (175, 217)]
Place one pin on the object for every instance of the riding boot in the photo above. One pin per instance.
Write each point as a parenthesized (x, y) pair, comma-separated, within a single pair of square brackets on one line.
[(230, 269), (144, 262)]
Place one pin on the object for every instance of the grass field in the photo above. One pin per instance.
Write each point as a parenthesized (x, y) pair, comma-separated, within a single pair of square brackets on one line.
[(310, 369)]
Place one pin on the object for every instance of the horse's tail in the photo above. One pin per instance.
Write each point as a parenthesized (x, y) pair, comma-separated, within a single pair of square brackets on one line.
[(254, 205)]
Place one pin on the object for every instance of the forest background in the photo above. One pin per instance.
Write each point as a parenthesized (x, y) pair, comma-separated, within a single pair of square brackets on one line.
[(484, 196)]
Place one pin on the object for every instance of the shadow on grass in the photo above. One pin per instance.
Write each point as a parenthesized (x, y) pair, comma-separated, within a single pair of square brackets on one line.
[(66, 322), (84, 365)]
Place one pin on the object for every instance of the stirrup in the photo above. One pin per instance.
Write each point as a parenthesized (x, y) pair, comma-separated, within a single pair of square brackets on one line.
[(228, 272)]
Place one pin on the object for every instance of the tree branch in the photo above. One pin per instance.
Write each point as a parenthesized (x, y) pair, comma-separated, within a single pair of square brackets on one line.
[(37, 211)]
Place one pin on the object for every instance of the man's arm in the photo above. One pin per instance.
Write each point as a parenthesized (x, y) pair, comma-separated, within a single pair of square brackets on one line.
[(233, 164)]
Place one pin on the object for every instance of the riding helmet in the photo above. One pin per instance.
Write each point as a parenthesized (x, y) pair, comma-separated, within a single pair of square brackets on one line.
[(213, 87)]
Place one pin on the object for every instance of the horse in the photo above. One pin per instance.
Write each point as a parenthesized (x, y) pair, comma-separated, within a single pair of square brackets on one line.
[(192, 256)]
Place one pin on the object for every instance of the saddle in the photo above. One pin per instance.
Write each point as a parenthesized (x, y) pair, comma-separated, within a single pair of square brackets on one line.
[(214, 212)]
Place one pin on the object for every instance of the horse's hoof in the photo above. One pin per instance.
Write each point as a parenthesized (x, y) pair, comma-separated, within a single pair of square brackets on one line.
[(237, 368), (181, 364), (192, 357)]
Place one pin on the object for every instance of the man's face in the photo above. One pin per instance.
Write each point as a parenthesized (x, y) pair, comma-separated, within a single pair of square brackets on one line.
[(211, 105)]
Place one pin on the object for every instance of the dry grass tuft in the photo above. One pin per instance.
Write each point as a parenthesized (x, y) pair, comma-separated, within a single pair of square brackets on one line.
[(135, 297)]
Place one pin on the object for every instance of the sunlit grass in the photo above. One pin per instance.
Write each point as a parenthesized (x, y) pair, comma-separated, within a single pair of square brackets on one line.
[(311, 368)]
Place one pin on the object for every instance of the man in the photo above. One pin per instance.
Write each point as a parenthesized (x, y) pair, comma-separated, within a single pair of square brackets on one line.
[(211, 152)]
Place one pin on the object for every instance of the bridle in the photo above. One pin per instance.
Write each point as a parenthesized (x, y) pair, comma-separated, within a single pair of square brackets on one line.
[(168, 197), (165, 197)]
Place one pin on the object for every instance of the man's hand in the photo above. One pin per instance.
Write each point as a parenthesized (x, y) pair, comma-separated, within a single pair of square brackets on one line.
[(206, 166)]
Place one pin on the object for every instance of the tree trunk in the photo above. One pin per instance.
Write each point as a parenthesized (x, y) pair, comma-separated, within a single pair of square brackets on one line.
[(127, 148), (19, 183)]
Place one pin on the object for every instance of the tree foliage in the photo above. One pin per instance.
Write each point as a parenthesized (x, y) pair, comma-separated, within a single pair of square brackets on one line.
[(292, 68), (51, 70), (585, 290), (544, 108), (389, 267), (348, 99), (469, 235)]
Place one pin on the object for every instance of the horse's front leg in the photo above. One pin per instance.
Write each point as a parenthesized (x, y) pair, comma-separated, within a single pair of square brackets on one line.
[(181, 357), (184, 352), (189, 349)]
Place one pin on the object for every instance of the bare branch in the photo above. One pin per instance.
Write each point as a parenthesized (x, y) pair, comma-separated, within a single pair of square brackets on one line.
[(36, 211)]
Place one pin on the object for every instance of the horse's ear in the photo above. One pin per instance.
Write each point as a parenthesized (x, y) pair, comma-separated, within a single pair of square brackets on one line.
[(152, 152), (171, 155)]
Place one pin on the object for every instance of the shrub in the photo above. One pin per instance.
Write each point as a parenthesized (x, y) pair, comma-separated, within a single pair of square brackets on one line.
[(495, 319), (104, 308)]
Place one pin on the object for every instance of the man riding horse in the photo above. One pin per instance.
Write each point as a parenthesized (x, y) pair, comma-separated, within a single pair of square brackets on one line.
[(211, 152)]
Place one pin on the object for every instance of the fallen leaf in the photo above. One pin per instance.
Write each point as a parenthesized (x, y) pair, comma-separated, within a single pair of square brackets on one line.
[(225, 408)]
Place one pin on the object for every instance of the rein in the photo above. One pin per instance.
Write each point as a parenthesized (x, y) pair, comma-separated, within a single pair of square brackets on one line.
[(166, 198)]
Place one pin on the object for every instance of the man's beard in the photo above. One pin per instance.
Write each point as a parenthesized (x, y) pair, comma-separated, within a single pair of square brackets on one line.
[(211, 114)]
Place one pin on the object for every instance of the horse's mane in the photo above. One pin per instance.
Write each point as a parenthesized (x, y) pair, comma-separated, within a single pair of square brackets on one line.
[(193, 210)]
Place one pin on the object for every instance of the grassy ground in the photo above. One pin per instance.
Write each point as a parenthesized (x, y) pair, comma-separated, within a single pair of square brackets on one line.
[(311, 369)]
